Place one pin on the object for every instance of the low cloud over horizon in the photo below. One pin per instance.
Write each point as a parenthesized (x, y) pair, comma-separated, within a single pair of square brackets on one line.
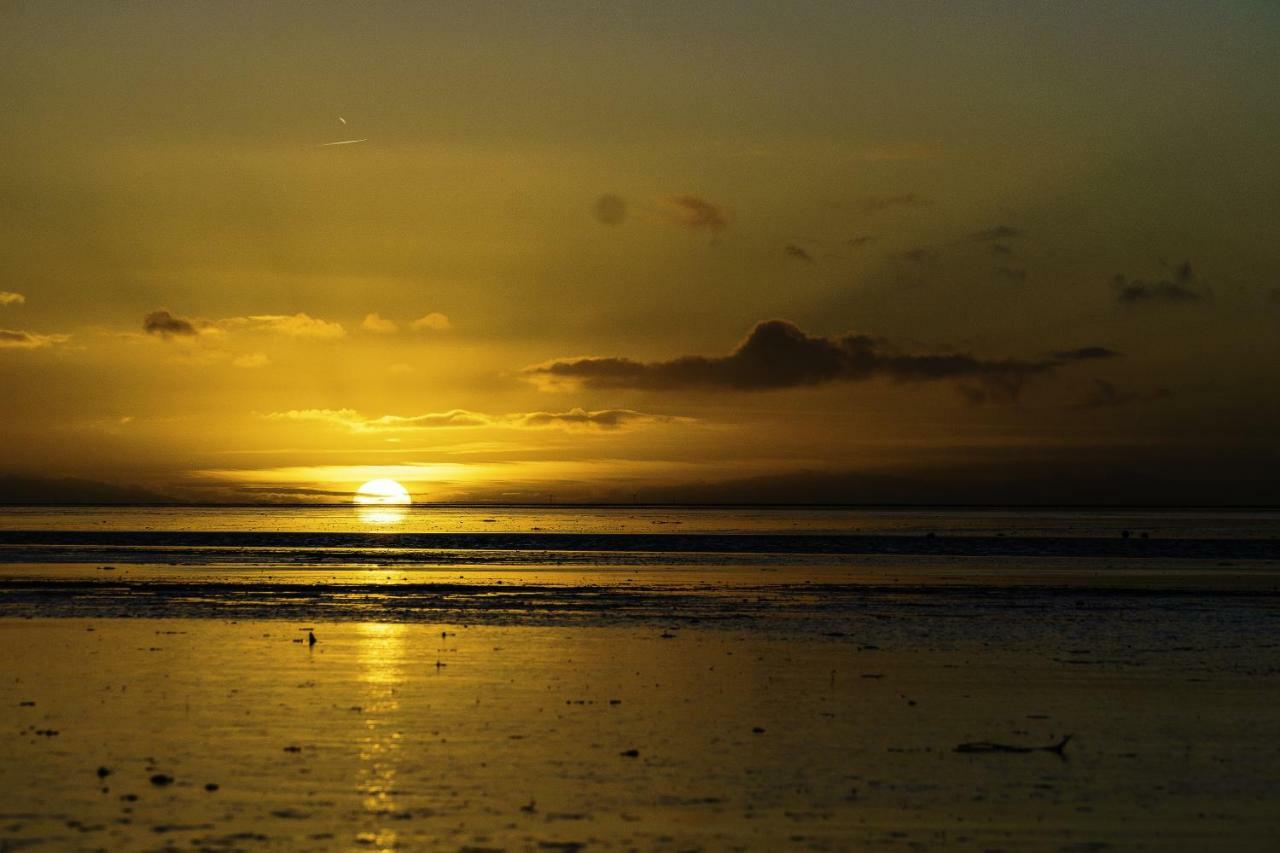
[(572, 419), (778, 355), (15, 339)]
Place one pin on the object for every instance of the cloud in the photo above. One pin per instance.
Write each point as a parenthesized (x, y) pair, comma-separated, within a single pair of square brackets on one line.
[(23, 489), (9, 298), (1105, 395), (167, 325), (605, 419), (879, 204), (609, 209), (1143, 474), (1181, 288), (354, 421), (13, 339), (1085, 354), (433, 322), (777, 355), (1011, 274), (251, 361), (697, 214), (999, 232), (798, 253), (919, 255), (298, 325), (573, 419), (379, 325)]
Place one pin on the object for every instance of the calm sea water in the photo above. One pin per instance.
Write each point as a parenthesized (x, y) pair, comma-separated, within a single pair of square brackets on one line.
[(1103, 523)]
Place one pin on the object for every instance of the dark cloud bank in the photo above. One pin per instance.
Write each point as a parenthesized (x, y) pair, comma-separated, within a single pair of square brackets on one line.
[(1094, 476), (21, 489), (777, 354)]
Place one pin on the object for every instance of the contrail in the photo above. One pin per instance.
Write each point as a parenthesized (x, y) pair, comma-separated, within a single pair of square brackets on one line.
[(343, 142)]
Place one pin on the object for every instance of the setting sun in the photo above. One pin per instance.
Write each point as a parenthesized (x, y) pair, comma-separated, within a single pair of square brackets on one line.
[(382, 491)]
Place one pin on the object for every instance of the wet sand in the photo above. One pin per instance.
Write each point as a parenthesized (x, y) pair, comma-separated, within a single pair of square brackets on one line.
[(453, 736)]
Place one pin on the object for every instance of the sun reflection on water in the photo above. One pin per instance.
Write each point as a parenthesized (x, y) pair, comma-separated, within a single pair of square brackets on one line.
[(381, 515), (381, 657)]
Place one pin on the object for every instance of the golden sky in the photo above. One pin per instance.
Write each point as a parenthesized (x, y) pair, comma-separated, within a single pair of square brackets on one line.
[(654, 251)]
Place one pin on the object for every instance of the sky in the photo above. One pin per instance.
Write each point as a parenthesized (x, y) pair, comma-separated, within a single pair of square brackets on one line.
[(843, 252)]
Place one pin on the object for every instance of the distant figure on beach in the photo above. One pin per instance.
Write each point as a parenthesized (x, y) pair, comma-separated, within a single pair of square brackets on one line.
[(311, 638)]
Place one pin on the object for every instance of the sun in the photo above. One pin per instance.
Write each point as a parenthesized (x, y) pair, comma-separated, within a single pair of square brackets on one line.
[(382, 492)]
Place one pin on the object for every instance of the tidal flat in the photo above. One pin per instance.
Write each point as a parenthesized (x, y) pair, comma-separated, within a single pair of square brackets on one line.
[(888, 690), (422, 736)]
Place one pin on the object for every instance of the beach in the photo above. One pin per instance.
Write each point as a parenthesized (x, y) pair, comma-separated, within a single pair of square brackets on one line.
[(824, 698)]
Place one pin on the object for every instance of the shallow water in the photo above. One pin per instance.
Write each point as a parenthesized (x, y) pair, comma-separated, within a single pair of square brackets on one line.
[(1106, 523), (404, 737)]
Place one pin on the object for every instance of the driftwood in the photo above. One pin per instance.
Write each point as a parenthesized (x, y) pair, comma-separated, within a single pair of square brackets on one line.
[(988, 747)]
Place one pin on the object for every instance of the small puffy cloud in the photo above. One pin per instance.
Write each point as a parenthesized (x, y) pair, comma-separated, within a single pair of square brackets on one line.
[(778, 355), (573, 419), (879, 204), (797, 253), (9, 298), (251, 360), (697, 214), (1180, 288), (13, 339), (378, 325), (433, 322), (609, 209), (1085, 354), (996, 233), (167, 325), (298, 325)]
